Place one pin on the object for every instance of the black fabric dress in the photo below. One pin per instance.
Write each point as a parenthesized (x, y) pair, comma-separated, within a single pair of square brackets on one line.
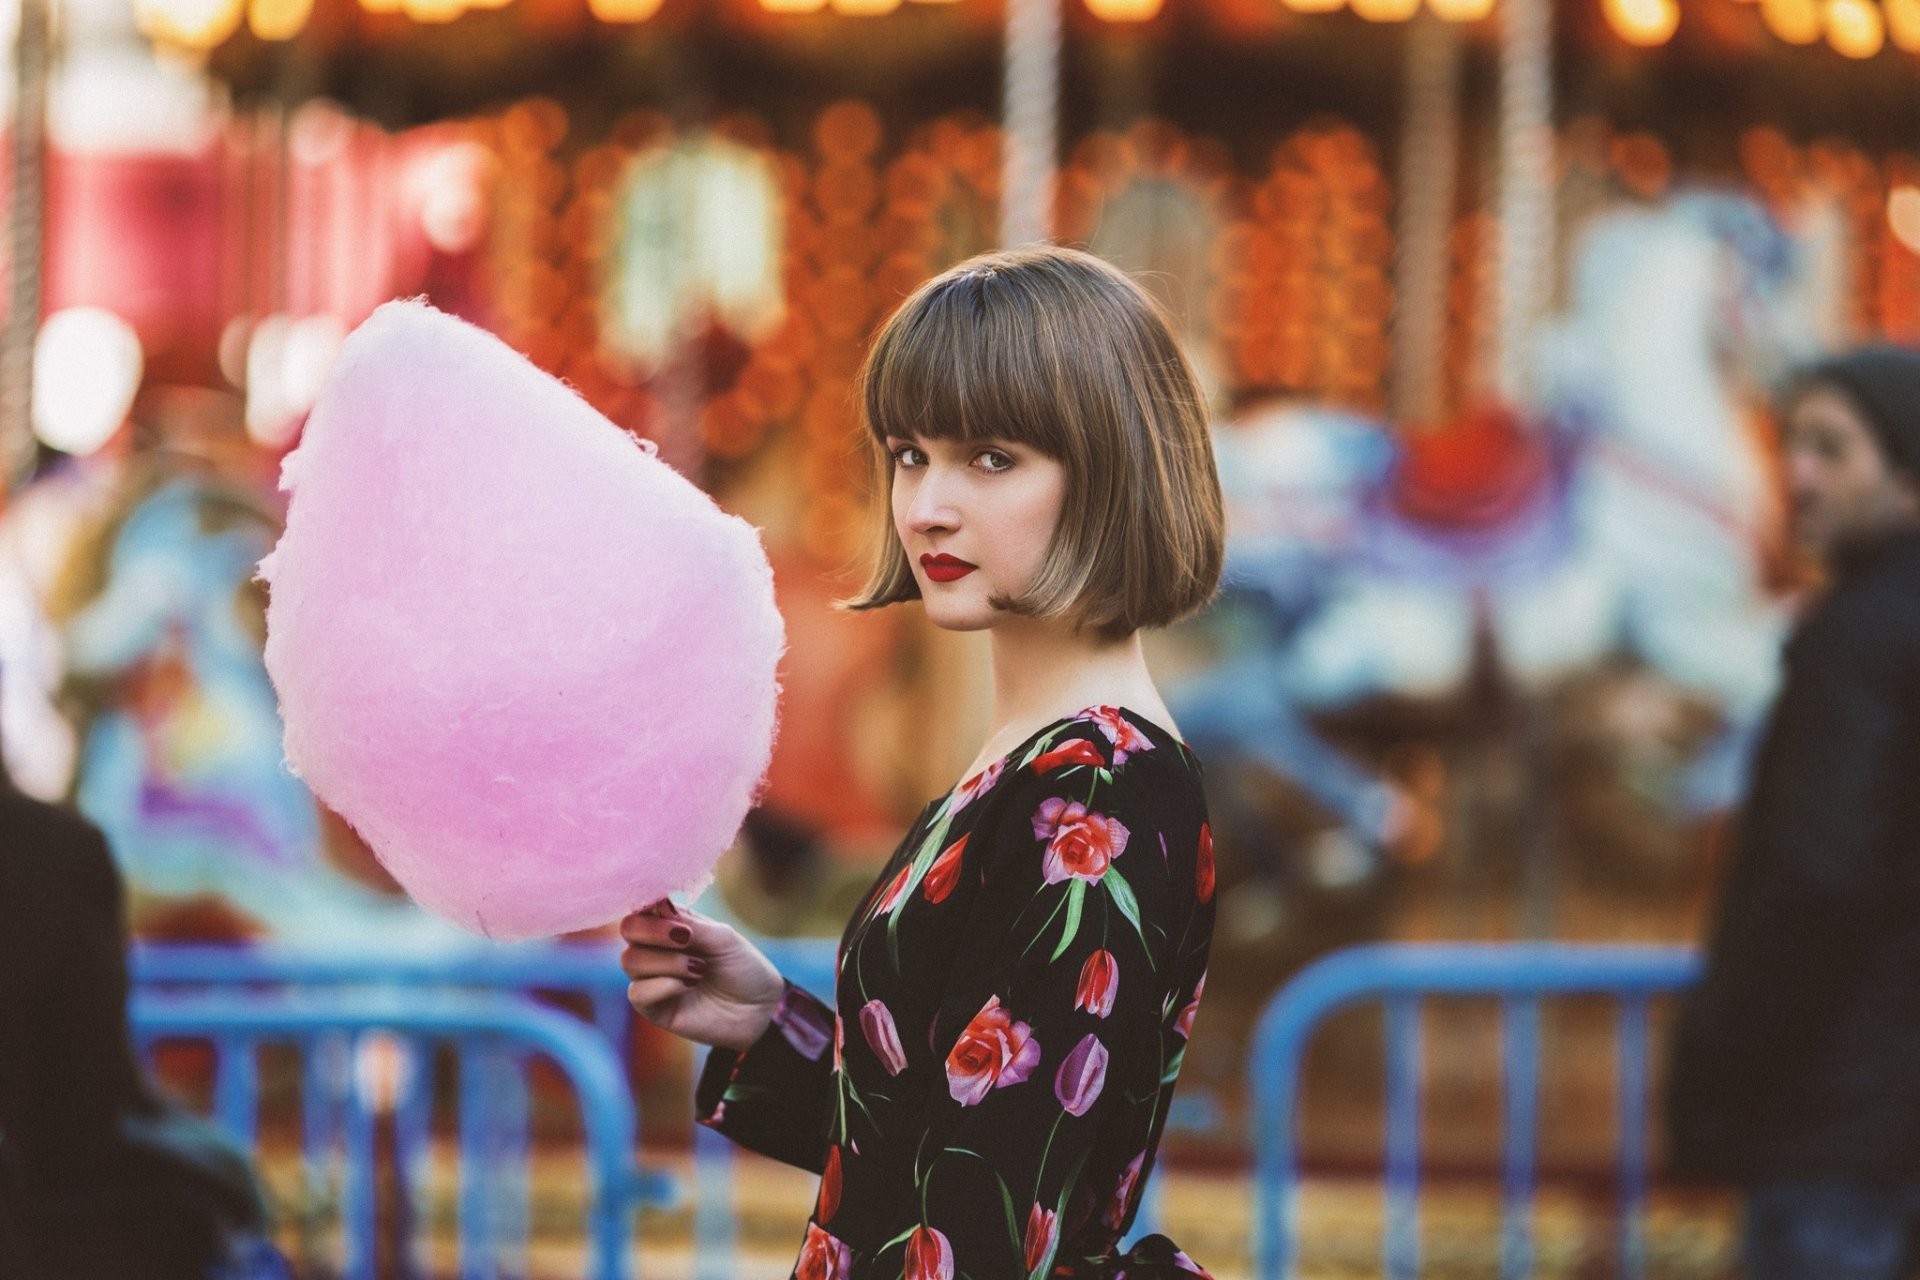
[(1014, 999)]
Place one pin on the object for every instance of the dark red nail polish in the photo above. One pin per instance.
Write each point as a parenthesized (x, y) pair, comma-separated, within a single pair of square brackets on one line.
[(681, 935)]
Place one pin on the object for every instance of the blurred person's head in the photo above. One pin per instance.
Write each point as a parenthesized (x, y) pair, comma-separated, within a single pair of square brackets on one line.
[(1046, 450), (1851, 434)]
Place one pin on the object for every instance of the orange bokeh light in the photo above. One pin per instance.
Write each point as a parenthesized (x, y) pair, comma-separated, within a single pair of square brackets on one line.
[(1461, 10), (1643, 22), (1795, 21), (1903, 215), (1855, 28), (624, 10)]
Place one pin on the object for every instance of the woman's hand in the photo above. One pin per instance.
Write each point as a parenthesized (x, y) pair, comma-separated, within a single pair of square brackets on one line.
[(696, 977)]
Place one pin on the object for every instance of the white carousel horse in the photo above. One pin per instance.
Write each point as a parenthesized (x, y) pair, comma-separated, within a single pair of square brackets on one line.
[(1631, 520)]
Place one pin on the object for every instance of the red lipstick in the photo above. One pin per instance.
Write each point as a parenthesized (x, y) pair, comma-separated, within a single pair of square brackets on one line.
[(945, 568)]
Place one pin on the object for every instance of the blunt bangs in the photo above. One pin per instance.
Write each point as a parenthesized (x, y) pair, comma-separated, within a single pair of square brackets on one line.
[(961, 362)]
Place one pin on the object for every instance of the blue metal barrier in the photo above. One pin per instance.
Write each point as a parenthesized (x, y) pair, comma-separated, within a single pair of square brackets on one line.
[(477, 1026), (1398, 977), (588, 969)]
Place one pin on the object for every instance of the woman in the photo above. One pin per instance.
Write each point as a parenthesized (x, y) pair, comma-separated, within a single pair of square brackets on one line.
[(1016, 993)]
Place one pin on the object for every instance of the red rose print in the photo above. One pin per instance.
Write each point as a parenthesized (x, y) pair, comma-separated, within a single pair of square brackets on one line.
[(929, 1256), (1081, 1076), (1099, 983), (829, 1186), (994, 1051), (1116, 1211), (1184, 1023), (1079, 844), (823, 1258), (1043, 1228), (1079, 751), (944, 873), (876, 1021), (967, 792), (1120, 732), (1204, 872)]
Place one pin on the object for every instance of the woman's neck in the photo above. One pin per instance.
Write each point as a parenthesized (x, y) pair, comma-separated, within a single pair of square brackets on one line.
[(1043, 671)]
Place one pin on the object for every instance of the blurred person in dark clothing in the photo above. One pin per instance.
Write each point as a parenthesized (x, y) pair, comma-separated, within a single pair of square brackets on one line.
[(1796, 1066), (100, 1178)]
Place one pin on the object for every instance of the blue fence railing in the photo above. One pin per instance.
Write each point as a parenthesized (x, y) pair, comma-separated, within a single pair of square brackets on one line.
[(1398, 977), (493, 1116), (480, 1030), (329, 1000)]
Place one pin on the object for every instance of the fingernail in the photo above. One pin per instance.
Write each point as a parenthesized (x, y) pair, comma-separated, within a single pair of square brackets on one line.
[(696, 966), (681, 935)]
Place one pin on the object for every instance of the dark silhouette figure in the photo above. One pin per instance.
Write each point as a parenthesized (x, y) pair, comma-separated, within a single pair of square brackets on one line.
[(100, 1179)]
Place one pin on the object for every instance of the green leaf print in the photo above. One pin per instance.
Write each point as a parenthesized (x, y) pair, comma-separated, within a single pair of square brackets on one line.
[(916, 872), (1076, 900), (1040, 747), (1173, 1066), (1123, 898), (1053, 915)]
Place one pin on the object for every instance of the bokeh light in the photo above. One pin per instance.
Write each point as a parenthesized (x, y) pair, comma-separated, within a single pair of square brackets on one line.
[(1855, 28), (1794, 21), (1461, 10), (1903, 23), (1386, 10), (1903, 215), (192, 24), (278, 19), (1643, 22), (623, 10), (87, 364)]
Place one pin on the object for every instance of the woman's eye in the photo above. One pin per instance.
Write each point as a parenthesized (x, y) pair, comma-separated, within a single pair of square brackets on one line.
[(993, 460), (906, 456)]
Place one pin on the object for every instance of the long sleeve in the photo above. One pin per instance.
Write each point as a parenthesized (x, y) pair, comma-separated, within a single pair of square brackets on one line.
[(1040, 1069), (777, 1096), (1809, 879)]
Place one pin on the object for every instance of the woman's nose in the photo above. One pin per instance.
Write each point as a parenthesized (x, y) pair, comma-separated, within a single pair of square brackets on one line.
[(931, 507)]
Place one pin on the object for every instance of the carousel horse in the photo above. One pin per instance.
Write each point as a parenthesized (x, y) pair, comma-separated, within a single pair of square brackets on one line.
[(1629, 521)]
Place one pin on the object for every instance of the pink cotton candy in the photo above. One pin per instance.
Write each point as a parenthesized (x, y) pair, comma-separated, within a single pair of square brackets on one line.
[(528, 661)]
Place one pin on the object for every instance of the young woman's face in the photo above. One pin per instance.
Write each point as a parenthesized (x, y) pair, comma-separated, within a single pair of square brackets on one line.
[(975, 519)]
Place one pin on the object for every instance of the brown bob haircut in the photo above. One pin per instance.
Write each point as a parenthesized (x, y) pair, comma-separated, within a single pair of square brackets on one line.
[(1057, 350)]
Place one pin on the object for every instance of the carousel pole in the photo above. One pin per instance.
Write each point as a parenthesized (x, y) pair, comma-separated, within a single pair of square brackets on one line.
[(1526, 189), (1429, 145), (26, 226), (1527, 223), (1030, 124)]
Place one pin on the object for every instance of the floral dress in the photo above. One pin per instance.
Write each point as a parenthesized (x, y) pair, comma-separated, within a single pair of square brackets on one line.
[(1014, 999)]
